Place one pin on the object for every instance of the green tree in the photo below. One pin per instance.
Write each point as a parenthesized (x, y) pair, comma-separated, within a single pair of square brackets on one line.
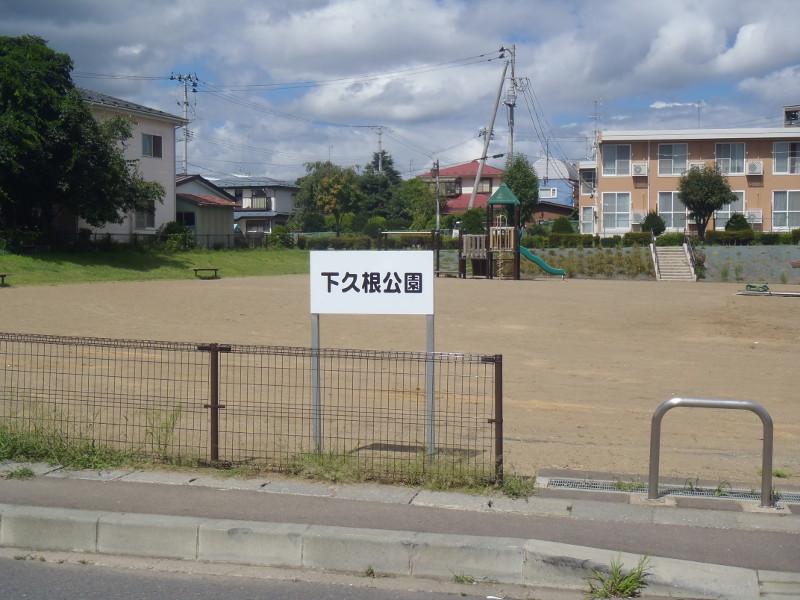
[(473, 221), (521, 178), (55, 159), (704, 191), (378, 186), (327, 189), (653, 222), (419, 202)]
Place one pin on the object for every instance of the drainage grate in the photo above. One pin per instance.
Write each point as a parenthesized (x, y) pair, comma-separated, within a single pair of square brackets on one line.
[(637, 487)]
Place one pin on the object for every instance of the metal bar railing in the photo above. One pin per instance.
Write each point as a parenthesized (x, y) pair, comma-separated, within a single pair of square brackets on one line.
[(655, 439)]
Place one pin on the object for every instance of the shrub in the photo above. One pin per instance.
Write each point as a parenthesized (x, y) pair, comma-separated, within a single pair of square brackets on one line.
[(565, 240), (796, 236), (610, 242), (737, 222), (768, 239), (375, 226), (562, 225), (280, 238), (742, 237), (538, 229), (534, 241), (785, 238), (670, 239), (653, 222), (633, 238)]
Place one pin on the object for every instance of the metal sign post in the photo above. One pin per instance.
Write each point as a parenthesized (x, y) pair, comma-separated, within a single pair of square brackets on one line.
[(378, 283)]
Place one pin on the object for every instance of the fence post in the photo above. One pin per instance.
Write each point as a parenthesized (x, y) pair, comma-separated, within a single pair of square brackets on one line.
[(213, 393), (498, 417)]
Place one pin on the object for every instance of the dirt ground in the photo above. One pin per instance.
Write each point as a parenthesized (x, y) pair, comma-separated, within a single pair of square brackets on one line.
[(585, 362)]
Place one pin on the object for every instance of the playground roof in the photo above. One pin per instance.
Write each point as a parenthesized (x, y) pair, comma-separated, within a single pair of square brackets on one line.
[(503, 195)]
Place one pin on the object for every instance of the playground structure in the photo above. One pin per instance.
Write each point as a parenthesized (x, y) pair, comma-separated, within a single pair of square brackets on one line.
[(497, 252)]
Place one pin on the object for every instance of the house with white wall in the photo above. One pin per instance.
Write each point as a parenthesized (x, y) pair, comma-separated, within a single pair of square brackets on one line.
[(261, 202), (150, 150)]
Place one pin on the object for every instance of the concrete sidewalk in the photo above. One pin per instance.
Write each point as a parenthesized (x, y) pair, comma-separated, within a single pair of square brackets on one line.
[(542, 542)]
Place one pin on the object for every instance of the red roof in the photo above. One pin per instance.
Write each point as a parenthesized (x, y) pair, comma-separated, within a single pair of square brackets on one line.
[(459, 203), (206, 200), (469, 169)]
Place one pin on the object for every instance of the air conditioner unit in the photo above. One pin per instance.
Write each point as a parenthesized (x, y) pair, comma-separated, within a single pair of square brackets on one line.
[(695, 164), (639, 169), (755, 167)]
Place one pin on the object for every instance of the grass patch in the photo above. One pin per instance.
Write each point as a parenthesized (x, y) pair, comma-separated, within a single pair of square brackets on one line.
[(441, 474), (20, 473), (518, 486), (52, 447), (628, 486), (781, 473), (464, 579), (138, 264), (617, 583)]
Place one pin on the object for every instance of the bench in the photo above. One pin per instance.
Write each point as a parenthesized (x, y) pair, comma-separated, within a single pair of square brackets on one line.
[(211, 271), (3, 279)]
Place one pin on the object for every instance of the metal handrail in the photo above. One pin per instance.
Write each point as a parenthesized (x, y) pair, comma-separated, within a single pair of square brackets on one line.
[(687, 243), (655, 439), (654, 252)]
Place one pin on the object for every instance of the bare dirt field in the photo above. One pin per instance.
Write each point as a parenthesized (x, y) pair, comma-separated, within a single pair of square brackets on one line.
[(586, 362)]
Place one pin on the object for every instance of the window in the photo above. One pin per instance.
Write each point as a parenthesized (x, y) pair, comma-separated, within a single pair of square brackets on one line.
[(587, 219), (616, 159), (146, 216), (730, 159), (588, 182), (548, 193), (672, 210), (616, 210), (786, 209), (722, 215), (257, 226), (151, 145), (485, 185), (786, 158), (185, 218), (672, 159)]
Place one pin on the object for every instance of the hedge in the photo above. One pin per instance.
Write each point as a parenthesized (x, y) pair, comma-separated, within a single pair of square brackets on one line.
[(743, 237), (636, 238), (671, 239)]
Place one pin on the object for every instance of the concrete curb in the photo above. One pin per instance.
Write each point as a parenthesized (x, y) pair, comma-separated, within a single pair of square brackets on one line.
[(411, 554)]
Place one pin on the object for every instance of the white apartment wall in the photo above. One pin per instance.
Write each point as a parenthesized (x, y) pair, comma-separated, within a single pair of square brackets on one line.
[(161, 170)]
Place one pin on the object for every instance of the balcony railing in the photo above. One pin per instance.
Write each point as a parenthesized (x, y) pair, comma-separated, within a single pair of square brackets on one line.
[(256, 203)]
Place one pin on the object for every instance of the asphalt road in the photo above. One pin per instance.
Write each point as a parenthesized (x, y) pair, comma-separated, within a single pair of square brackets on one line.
[(32, 580)]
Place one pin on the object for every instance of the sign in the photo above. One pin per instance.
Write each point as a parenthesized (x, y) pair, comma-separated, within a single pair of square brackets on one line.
[(365, 282)]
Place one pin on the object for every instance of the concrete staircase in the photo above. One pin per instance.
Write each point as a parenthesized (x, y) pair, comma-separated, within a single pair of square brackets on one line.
[(673, 264)]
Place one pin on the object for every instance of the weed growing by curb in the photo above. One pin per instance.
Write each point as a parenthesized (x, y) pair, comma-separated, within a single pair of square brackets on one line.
[(618, 584), (518, 486), (464, 579), (20, 473)]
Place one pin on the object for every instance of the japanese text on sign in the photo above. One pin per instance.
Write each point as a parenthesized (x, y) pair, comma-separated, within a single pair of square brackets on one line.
[(364, 282)]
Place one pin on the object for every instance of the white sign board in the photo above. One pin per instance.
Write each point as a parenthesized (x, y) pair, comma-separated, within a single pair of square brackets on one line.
[(365, 282)]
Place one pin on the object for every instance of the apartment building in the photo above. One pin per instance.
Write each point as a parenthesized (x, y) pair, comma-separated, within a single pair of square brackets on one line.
[(638, 171)]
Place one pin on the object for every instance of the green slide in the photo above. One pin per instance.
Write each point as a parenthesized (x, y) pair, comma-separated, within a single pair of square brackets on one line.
[(538, 261)]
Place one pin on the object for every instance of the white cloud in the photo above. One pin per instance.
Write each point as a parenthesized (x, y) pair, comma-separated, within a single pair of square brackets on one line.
[(778, 87), (634, 56)]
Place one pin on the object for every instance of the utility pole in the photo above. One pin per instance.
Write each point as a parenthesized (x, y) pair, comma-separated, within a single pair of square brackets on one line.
[(511, 102), (546, 159), (186, 79), (596, 118), (488, 137), (436, 174)]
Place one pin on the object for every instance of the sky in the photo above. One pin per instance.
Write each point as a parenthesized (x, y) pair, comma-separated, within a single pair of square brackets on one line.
[(282, 84)]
